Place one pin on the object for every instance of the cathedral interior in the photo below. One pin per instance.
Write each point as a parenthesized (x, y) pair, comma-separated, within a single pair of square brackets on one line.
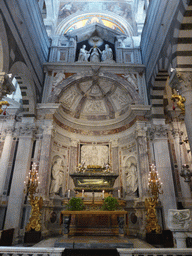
[(96, 96)]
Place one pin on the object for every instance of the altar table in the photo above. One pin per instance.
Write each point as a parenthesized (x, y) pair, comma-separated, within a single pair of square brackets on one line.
[(94, 222)]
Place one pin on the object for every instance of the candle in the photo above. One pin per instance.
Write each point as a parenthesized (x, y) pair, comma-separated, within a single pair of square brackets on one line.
[(82, 193), (68, 194), (119, 194), (103, 193)]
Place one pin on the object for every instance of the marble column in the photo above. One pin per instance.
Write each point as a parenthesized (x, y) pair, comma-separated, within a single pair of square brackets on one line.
[(22, 165), (45, 158), (185, 189), (158, 132), (182, 82), (4, 161)]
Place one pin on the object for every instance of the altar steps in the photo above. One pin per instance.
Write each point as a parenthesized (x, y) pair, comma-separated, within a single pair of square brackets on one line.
[(91, 252), (93, 242)]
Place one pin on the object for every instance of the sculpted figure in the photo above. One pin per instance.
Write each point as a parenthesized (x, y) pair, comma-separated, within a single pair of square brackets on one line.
[(107, 54), (131, 179), (57, 177), (83, 54), (95, 54)]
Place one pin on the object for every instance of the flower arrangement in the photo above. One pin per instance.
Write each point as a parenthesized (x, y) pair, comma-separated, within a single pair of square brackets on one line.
[(75, 204), (110, 204)]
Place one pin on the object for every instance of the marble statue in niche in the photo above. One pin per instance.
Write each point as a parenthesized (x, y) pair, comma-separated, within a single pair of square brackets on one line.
[(57, 176), (131, 176), (83, 54)]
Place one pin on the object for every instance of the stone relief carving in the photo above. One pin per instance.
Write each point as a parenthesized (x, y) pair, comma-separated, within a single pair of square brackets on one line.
[(120, 99), (179, 220), (69, 97), (58, 78), (94, 106), (57, 176), (95, 154), (132, 80)]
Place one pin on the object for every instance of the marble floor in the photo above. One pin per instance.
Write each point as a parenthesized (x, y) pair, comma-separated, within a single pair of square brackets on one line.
[(137, 243)]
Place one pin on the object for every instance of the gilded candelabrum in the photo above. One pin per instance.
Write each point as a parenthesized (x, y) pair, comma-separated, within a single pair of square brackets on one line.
[(36, 203), (3, 103), (152, 201), (180, 102)]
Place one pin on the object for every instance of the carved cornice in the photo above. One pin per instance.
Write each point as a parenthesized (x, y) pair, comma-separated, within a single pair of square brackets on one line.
[(158, 132), (181, 80)]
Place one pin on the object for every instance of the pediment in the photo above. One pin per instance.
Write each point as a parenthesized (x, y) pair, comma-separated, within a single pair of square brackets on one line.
[(93, 30)]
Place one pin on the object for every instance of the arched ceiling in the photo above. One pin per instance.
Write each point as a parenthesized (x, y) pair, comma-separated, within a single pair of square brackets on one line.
[(95, 99), (97, 102)]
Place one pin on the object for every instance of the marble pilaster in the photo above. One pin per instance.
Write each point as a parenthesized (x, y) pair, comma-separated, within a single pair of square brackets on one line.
[(72, 162), (45, 158), (158, 133), (185, 189), (4, 161), (22, 165), (143, 159), (182, 82)]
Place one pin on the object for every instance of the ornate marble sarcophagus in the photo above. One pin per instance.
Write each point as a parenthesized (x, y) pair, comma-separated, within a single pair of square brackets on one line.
[(94, 179)]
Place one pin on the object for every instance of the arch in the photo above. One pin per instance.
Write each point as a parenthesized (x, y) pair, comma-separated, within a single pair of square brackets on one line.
[(21, 72), (66, 24)]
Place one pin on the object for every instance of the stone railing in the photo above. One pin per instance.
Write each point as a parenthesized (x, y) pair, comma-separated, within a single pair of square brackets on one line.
[(32, 251), (154, 252)]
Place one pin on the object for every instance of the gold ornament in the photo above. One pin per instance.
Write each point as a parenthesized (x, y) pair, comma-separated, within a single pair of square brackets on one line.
[(36, 203), (3, 103), (180, 102), (151, 202)]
